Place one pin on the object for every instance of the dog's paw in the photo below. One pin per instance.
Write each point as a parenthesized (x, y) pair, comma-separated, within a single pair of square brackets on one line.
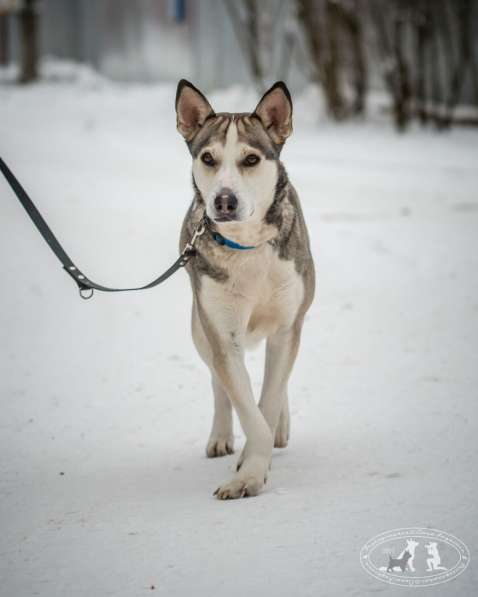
[(238, 488), (248, 481), (219, 446)]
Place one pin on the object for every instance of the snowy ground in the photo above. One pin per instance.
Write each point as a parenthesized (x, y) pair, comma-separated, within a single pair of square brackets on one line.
[(105, 488)]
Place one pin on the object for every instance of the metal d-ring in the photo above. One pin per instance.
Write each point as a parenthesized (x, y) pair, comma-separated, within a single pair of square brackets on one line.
[(86, 296)]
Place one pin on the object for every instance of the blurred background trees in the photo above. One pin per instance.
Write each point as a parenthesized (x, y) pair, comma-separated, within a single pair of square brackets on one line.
[(423, 54), (25, 15), (335, 42)]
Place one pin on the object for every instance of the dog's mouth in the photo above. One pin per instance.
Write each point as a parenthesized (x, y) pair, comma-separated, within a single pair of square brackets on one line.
[(232, 218), (225, 218)]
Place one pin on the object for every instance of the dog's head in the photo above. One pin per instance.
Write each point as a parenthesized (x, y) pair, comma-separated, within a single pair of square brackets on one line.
[(235, 156)]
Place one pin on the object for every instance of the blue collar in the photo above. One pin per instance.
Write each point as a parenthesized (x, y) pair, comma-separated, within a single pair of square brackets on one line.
[(221, 240)]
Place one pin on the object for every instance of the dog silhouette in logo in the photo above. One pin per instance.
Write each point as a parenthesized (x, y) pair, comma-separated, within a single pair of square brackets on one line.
[(433, 562), (411, 547), (400, 562)]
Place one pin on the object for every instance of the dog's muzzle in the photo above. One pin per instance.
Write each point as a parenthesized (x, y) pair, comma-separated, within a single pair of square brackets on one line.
[(225, 206)]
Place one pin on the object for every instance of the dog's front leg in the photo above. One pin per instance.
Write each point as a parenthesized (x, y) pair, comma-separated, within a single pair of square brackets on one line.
[(229, 367)]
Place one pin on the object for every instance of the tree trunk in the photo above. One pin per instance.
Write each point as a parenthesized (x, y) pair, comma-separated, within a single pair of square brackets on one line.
[(324, 53), (308, 22), (252, 24), (422, 36), (436, 72), (333, 62), (3, 39), (402, 83), (247, 35), (352, 24), (465, 54), (28, 21)]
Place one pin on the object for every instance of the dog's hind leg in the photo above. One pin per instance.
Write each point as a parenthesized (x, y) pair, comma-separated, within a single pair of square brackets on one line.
[(282, 433), (221, 439), (281, 352)]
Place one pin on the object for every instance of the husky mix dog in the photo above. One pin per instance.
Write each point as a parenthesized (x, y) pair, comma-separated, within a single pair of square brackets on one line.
[(252, 277)]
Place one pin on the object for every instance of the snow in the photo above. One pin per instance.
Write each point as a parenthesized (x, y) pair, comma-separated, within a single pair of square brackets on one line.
[(105, 487)]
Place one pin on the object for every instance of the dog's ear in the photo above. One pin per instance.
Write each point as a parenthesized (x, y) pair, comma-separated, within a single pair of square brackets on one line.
[(275, 112), (192, 109)]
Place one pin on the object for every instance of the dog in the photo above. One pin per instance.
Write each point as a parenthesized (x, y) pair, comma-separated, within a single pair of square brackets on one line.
[(411, 548), (400, 562), (252, 277), (433, 563)]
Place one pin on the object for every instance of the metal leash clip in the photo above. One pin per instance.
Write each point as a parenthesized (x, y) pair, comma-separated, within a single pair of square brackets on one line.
[(188, 250)]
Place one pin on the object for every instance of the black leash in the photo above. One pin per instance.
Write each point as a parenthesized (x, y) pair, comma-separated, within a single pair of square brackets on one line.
[(85, 285)]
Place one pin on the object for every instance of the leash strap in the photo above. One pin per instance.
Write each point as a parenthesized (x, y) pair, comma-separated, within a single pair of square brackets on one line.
[(85, 285)]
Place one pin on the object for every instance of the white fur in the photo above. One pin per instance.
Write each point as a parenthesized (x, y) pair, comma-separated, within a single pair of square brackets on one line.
[(261, 300)]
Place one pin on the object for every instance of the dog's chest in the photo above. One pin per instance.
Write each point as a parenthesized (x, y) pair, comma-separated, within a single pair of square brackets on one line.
[(262, 294)]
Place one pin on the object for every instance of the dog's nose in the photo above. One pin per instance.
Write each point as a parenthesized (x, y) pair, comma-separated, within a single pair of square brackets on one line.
[(225, 203)]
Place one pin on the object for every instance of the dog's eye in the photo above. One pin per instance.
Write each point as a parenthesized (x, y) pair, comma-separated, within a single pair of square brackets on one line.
[(207, 159), (251, 160)]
